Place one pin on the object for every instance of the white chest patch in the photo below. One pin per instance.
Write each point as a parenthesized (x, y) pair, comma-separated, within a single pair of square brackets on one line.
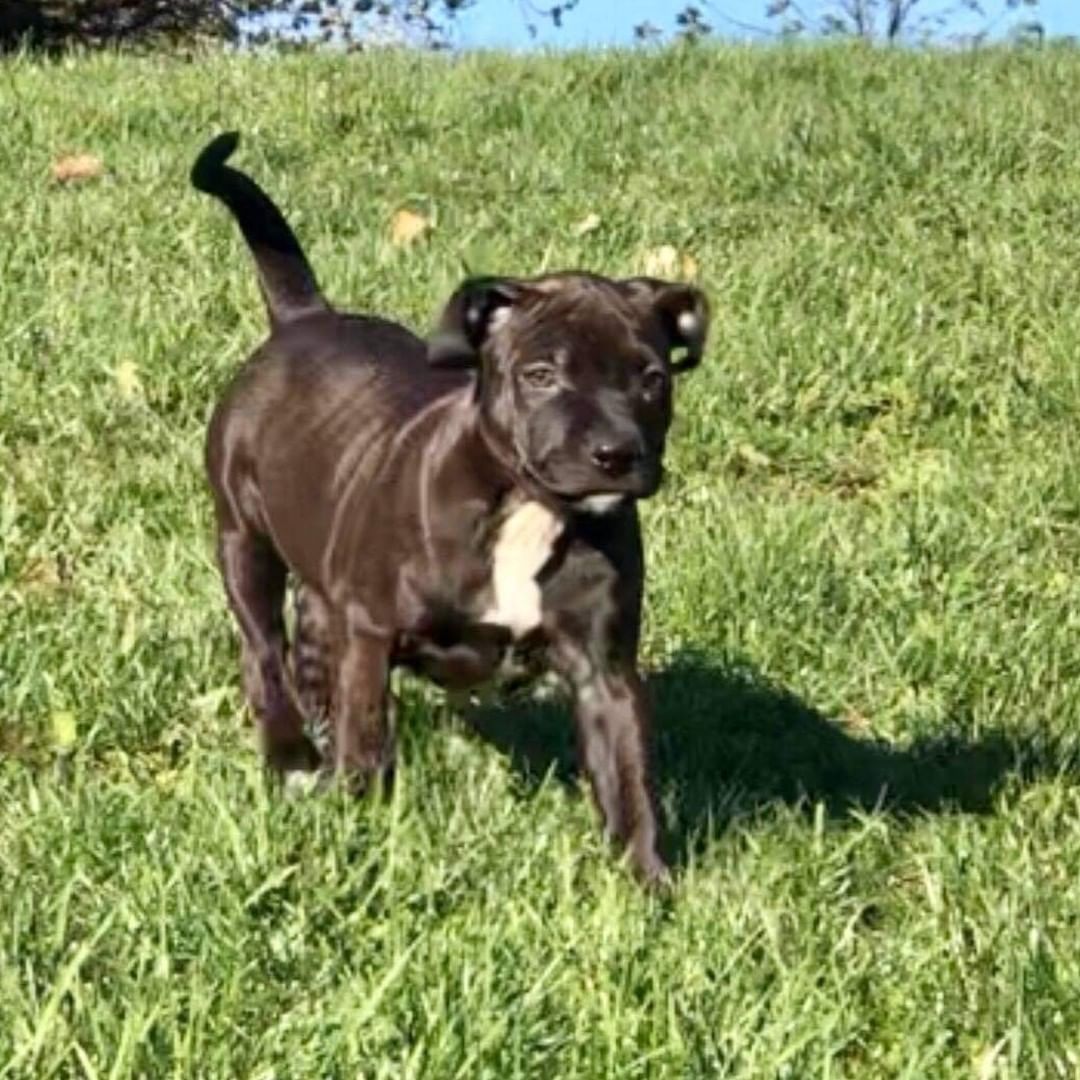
[(525, 542)]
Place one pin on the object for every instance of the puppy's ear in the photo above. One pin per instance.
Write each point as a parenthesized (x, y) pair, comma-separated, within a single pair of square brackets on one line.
[(469, 316), (683, 314)]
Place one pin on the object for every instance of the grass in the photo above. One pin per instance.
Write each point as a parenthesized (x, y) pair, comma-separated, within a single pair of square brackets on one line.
[(863, 607)]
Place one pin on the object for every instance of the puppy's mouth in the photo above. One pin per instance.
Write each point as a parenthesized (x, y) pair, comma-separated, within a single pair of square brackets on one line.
[(597, 495), (599, 504)]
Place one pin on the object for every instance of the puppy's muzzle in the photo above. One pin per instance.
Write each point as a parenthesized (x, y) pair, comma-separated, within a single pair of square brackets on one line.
[(616, 458)]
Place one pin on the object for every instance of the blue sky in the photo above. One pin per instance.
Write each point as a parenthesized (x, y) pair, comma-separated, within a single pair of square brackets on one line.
[(504, 23)]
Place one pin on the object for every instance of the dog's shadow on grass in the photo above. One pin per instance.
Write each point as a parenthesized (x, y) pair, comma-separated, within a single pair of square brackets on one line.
[(730, 744)]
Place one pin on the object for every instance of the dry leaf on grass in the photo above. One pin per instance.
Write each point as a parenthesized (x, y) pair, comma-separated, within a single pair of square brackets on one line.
[(666, 262), (853, 720), (985, 1063), (407, 226), (128, 382), (746, 458), (64, 729), (589, 223), (42, 575), (77, 167), (689, 267)]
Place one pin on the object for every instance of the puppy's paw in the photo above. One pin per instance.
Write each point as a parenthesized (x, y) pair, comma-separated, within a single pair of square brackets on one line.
[(303, 783), (652, 872), (367, 768), (375, 782)]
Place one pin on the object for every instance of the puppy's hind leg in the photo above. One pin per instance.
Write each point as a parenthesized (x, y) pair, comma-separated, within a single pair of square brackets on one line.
[(364, 713), (313, 666), (254, 578)]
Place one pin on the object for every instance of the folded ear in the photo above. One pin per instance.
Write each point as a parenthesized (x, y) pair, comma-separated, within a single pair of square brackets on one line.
[(470, 315), (682, 312)]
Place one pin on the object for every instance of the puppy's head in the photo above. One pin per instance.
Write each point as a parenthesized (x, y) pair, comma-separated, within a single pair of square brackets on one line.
[(574, 375)]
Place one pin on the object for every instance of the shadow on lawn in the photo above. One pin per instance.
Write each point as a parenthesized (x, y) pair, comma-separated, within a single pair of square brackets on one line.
[(730, 743)]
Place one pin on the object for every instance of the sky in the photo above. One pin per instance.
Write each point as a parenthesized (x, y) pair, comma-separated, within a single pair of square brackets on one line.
[(504, 23)]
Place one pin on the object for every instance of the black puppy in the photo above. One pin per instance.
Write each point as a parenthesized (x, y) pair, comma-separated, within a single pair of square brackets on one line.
[(453, 506)]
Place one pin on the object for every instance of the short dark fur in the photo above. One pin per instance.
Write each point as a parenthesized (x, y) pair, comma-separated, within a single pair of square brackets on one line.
[(377, 469)]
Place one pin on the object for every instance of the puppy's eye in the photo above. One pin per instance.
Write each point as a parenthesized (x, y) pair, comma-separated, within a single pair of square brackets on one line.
[(653, 383), (539, 376)]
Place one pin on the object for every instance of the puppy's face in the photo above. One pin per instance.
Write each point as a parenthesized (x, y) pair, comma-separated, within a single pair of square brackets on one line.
[(574, 375)]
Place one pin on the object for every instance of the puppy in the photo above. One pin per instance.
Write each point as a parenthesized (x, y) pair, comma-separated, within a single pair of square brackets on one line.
[(461, 506)]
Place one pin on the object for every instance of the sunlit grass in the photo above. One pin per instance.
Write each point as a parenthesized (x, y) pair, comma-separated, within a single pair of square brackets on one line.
[(863, 589)]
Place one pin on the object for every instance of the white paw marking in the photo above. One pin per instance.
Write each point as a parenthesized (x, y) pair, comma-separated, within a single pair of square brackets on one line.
[(301, 784), (525, 542)]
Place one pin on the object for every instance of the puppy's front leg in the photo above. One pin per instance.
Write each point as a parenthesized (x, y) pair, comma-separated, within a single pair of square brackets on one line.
[(363, 740), (612, 715)]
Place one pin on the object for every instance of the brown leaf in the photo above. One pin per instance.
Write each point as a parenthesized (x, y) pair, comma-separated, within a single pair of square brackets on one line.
[(746, 458), (985, 1063), (589, 223), (855, 721), (407, 226), (667, 261), (77, 167), (65, 729), (661, 262), (128, 382), (41, 575)]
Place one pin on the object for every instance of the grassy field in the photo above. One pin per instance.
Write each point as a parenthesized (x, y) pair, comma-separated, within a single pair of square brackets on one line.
[(863, 610)]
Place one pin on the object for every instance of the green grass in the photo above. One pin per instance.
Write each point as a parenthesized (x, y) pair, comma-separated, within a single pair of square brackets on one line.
[(863, 611)]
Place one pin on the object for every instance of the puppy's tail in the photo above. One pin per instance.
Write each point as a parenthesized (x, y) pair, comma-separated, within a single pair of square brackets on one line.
[(287, 280)]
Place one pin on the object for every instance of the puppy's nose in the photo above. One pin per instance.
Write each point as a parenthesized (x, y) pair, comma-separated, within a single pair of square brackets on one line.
[(616, 458)]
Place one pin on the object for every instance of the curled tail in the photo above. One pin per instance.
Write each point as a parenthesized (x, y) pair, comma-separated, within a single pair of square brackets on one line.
[(287, 280)]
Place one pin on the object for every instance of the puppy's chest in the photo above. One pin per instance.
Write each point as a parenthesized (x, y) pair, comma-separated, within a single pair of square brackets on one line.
[(489, 634)]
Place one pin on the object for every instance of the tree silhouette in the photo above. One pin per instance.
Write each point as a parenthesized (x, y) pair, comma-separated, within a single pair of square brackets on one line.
[(352, 24)]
